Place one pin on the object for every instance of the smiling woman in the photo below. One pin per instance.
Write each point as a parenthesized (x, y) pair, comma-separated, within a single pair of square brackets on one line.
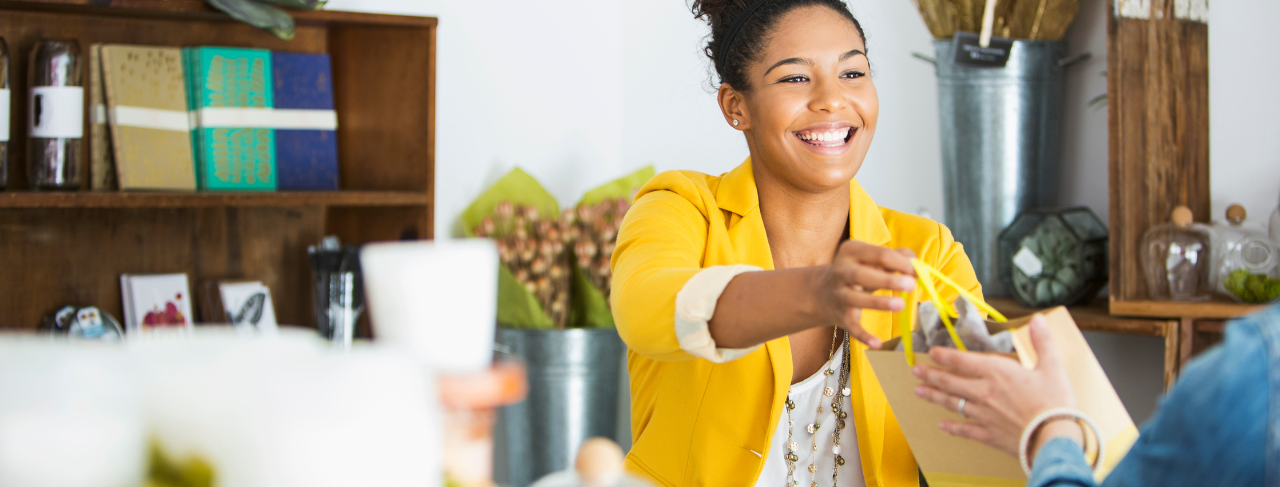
[(737, 294)]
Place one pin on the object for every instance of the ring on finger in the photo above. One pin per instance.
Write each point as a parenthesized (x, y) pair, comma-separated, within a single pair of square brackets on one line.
[(960, 407)]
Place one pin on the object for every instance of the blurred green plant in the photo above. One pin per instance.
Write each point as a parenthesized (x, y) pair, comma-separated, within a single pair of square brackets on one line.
[(163, 471), (1252, 288), (266, 17)]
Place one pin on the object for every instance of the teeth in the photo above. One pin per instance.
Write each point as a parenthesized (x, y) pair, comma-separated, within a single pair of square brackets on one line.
[(828, 136)]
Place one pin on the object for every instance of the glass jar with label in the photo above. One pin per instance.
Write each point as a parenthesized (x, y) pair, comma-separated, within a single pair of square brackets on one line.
[(1053, 257), (4, 114), (55, 115), (1176, 258), (1245, 259)]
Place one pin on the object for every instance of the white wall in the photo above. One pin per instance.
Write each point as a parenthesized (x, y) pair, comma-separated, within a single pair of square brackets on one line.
[(1243, 143), (578, 92)]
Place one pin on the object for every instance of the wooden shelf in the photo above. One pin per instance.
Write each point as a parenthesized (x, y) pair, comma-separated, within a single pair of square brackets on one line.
[(212, 200), (71, 247), (1090, 317), (1182, 310), (1095, 317), (197, 9)]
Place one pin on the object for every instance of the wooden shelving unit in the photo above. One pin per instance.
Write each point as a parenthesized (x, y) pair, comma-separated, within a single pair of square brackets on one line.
[(1096, 317), (1200, 324), (1199, 310), (213, 200), (1159, 158), (62, 248)]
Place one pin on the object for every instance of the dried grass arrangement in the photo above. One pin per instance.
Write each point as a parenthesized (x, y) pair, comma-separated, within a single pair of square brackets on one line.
[(1040, 20)]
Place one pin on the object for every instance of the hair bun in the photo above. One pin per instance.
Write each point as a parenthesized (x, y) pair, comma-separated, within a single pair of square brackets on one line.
[(746, 42), (717, 13)]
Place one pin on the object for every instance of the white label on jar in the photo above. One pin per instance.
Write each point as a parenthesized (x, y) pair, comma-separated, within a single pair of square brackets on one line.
[(4, 115), (56, 112), (1027, 261)]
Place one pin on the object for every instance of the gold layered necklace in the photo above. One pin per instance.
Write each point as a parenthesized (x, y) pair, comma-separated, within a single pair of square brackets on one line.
[(837, 395)]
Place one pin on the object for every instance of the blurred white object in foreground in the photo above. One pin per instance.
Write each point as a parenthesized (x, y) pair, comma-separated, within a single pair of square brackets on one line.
[(70, 414), (599, 464), (437, 299), (277, 410)]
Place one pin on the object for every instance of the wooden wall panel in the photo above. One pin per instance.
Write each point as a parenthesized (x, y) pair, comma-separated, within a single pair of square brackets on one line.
[(1158, 104), (387, 135), (55, 257)]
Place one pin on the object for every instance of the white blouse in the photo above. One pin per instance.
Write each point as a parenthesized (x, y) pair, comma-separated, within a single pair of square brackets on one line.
[(807, 395), (695, 304)]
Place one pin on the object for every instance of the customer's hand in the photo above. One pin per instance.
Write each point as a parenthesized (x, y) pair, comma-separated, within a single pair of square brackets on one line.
[(849, 284), (1001, 396)]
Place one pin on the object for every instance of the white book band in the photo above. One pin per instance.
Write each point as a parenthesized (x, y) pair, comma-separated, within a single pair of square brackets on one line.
[(272, 118), (150, 118)]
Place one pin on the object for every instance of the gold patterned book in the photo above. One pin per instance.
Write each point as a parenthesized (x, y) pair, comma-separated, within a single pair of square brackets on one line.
[(147, 112)]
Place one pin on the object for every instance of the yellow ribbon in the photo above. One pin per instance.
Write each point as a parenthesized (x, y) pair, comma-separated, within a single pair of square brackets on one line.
[(925, 276)]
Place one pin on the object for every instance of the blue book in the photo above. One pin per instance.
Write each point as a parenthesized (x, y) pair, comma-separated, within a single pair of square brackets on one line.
[(305, 137)]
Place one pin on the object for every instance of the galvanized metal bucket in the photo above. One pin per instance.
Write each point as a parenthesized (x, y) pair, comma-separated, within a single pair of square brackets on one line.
[(574, 379), (1001, 131)]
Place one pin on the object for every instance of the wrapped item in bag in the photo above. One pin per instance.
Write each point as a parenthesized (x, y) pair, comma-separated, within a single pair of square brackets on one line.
[(950, 461), (930, 331)]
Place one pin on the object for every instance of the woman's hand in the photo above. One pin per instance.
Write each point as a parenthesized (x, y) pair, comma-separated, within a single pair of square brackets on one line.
[(1001, 397), (858, 270)]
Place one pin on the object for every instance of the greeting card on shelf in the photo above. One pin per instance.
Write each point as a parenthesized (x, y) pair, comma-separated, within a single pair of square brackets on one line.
[(156, 301), (242, 303)]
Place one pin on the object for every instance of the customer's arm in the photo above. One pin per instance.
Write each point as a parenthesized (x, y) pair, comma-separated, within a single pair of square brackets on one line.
[(1213, 426), (1211, 429)]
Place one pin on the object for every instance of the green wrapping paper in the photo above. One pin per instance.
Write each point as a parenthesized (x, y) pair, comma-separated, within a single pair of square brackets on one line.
[(590, 308), (517, 307)]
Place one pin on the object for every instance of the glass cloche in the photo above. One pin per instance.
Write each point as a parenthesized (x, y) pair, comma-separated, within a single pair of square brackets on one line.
[(1053, 257), (1245, 260), (1175, 258)]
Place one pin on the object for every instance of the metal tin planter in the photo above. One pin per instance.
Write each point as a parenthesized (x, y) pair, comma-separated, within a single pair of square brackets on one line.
[(1001, 131), (573, 395)]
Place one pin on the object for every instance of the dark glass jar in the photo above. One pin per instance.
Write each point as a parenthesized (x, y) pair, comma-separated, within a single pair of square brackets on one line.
[(55, 115), (5, 103)]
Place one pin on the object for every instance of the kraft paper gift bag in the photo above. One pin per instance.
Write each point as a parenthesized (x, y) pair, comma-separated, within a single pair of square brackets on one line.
[(952, 461)]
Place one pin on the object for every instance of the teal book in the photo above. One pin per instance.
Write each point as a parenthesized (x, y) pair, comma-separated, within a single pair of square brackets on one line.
[(232, 97)]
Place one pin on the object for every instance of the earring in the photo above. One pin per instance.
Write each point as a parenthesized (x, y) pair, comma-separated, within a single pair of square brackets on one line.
[(735, 123)]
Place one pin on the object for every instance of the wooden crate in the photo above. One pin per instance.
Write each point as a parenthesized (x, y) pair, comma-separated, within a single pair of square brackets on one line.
[(1158, 119), (61, 248)]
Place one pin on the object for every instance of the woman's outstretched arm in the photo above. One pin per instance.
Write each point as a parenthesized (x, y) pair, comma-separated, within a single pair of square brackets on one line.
[(760, 306)]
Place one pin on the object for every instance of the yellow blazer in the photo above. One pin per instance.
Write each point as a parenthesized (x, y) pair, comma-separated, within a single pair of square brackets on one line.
[(694, 422)]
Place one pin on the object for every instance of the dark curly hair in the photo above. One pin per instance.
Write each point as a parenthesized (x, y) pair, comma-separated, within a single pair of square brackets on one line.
[(748, 44)]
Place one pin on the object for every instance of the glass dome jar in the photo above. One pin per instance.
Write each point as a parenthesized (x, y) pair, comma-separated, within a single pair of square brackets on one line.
[(1053, 257), (1176, 259), (1275, 224), (1245, 260)]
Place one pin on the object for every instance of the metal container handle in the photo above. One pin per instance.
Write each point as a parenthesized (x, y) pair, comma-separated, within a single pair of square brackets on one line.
[(925, 58), (1062, 63), (1069, 61)]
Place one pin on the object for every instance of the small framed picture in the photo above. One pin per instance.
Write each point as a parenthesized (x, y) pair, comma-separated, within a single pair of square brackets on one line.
[(242, 303), (156, 301)]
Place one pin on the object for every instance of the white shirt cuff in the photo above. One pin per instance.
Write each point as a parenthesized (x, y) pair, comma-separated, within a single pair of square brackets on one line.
[(696, 303)]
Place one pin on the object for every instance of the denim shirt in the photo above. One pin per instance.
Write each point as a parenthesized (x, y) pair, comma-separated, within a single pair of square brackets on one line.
[(1219, 424)]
